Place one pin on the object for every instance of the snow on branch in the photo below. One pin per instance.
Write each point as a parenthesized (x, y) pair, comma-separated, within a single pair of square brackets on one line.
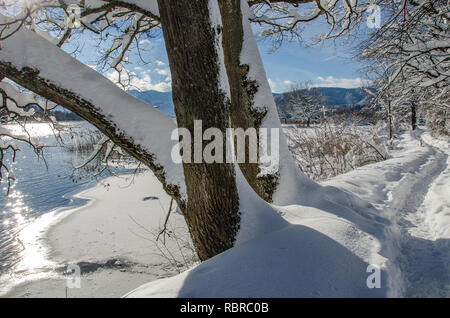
[(281, 19), (133, 125), (118, 25), (409, 56), (17, 102)]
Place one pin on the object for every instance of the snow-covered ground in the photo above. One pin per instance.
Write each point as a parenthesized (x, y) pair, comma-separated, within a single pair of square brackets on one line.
[(399, 221), (112, 239), (411, 190), (325, 252)]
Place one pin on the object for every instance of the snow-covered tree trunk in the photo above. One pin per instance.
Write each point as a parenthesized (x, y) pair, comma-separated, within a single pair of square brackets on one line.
[(244, 114), (253, 105), (222, 209), (192, 32)]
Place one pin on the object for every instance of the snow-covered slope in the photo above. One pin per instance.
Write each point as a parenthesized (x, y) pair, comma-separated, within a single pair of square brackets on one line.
[(296, 261), (324, 251)]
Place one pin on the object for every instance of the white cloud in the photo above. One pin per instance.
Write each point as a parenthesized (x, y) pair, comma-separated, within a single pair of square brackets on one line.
[(275, 85), (142, 42), (272, 84), (161, 87), (141, 81), (288, 83), (162, 71), (331, 81), (279, 86)]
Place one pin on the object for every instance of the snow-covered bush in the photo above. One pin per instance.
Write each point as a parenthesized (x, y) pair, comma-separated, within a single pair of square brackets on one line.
[(438, 120), (328, 150)]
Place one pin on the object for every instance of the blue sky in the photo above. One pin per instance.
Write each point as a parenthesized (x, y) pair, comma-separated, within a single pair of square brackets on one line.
[(323, 65), (328, 64)]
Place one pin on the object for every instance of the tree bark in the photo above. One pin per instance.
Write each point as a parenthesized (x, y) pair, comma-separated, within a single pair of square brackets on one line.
[(243, 113), (253, 106), (193, 44)]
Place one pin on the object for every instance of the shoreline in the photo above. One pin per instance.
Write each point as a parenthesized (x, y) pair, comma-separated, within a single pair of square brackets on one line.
[(110, 238)]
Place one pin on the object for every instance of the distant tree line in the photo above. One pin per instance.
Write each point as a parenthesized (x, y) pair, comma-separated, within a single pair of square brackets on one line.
[(39, 115)]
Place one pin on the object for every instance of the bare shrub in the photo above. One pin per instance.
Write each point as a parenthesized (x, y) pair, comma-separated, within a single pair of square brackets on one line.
[(177, 248), (438, 120), (174, 243), (93, 154), (82, 141), (328, 150)]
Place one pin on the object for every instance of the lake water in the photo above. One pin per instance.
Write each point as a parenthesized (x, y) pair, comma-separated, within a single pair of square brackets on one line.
[(42, 190)]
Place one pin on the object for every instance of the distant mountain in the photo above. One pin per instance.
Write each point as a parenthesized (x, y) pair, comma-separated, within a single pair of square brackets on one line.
[(338, 97), (161, 100), (334, 96)]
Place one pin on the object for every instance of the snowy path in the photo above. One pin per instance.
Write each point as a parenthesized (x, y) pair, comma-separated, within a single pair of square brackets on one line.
[(411, 190), (422, 257)]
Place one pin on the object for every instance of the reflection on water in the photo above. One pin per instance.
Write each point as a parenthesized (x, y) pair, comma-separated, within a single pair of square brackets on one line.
[(41, 189)]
